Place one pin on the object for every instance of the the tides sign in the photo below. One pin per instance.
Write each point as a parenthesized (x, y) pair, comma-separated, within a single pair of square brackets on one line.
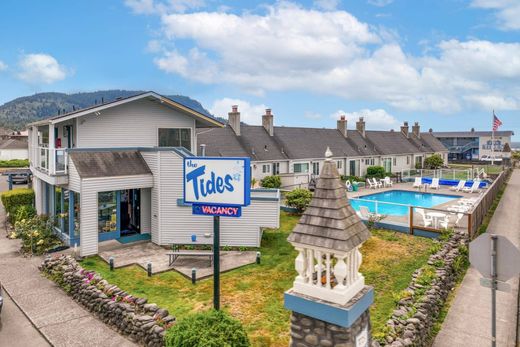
[(217, 186)]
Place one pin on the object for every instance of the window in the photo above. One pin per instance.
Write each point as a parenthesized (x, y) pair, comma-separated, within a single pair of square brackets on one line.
[(276, 168), (175, 138), (301, 168), (339, 164), (395, 161), (370, 161), (407, 160), (266, 168), (387, 164), (316, 168), (107, 212)]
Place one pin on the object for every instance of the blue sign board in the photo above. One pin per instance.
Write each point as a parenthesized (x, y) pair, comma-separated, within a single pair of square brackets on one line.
[(212, 210), (217, 181)]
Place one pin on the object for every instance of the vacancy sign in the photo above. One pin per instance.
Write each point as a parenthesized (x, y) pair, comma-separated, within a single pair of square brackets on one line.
[(217, 186)]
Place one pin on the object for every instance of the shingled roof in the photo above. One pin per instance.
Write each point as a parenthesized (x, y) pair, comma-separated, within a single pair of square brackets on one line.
[(329, 221), (91, 164)]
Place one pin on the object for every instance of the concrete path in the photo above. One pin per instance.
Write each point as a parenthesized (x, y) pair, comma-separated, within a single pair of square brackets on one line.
[(469, 319), (61, 320)]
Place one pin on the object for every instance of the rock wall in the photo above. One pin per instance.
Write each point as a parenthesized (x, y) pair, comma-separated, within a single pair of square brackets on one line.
[(309, 332), (417, 311), (133, 317)]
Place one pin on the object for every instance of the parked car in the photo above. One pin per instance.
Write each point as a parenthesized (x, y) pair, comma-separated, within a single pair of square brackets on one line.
[(490, 158), (1, 298)]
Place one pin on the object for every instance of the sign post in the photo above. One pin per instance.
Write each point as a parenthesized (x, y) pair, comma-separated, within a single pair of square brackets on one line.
[(497, 259), (217, 187)]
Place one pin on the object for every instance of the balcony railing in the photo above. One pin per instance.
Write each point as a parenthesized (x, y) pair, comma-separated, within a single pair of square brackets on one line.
[(51, 160)]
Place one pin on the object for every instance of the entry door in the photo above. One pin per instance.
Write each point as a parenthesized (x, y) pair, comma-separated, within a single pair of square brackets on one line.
[(354, 167)]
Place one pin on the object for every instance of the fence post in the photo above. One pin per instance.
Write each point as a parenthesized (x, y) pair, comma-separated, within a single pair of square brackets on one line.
[(470, 226), (411, 219)]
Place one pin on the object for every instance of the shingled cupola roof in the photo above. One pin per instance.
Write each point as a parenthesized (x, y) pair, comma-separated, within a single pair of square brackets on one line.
[(329, 221)]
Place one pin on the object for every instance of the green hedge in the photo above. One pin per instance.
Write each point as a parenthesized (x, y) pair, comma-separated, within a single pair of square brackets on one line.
[(376, 171), (14, 163), (207, 329), (14, 199), (299, 198), (271, 182)]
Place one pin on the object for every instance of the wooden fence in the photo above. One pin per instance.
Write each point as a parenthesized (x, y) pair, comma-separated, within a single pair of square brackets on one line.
[(479, 211)]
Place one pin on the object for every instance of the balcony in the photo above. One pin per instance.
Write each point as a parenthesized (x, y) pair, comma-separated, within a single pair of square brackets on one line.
[(52, 161)]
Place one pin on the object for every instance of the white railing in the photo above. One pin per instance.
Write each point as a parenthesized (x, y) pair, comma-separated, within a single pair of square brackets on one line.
[(51, 160), (328, 274), (454, 174)]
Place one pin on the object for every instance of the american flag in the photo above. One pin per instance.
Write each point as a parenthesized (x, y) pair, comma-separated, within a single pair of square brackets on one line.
[(496, 122)]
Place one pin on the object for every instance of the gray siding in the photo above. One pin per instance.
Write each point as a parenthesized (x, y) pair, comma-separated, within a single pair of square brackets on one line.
[(89, 205), (74, 179), (134, 124), (145, 210), (152, 160)]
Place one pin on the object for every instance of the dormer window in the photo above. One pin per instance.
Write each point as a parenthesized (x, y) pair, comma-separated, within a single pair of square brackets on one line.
[(173, 137)]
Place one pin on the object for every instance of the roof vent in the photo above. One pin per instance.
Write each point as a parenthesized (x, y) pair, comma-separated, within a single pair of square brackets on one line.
[(265, 148)]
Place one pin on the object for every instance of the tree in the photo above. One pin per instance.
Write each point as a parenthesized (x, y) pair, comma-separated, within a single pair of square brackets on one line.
[(299, 198), (271, 182), (433, 162)]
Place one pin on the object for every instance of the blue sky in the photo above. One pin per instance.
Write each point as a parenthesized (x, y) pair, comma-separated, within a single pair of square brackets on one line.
[(446, 64)]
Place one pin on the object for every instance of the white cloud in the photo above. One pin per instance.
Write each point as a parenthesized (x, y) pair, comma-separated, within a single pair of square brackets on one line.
[(327, 5), (158, 7), (332, 52), (312, 115), (250, 114), (41, 68), (507, 12), (380, 3), (377, 119), (3, 66)]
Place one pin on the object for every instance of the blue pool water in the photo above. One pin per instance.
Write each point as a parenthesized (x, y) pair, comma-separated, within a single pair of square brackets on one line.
[(400, 197)]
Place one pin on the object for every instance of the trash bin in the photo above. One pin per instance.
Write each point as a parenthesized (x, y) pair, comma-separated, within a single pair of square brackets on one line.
[(355, 186)]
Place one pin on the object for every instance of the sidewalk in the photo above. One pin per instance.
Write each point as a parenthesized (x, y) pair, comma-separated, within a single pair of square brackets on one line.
[(469, 319), (61, 320)]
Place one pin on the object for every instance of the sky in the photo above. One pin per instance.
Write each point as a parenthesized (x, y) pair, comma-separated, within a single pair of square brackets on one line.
[(446, 64)]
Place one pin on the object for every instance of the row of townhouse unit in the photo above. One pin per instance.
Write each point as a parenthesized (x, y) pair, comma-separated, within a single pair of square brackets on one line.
[(297, 154)]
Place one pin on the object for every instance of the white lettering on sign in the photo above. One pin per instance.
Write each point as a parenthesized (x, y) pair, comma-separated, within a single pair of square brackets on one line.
[(217, 181), (362, 338)]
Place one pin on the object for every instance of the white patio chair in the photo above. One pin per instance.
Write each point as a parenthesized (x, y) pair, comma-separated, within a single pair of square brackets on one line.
[(445, 222), (371, 184), (459, 186), (435, 183), (427, 220), (365, 213), (388, 182), (473, 189), (417, 183)]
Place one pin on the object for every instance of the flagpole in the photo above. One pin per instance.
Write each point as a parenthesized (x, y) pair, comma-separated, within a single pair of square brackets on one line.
[(493, 138)]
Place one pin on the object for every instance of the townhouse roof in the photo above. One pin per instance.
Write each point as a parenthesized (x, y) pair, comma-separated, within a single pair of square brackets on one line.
[(471, 133), (14, 144), (92, 164), (308, 143), (203, 119)]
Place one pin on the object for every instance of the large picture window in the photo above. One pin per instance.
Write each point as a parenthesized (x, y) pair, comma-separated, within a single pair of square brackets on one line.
[(169, 137), (301, 168)]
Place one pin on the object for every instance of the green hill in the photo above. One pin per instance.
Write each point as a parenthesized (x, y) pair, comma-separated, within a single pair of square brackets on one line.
[(17, 113)]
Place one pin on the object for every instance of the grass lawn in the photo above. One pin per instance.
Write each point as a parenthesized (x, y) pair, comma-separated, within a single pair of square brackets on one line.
[(490, 169), (254, 294)]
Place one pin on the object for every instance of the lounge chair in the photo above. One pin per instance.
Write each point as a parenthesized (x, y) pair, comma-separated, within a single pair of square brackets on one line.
[(459, 208), (435, 183), (365, 213), (373, 183), (427, 220), (387, 182), (417, 183), (459, 186), (459, 218), (473, 189)]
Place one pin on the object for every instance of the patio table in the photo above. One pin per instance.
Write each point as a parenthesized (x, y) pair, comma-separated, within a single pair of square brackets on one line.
[(436, 216)]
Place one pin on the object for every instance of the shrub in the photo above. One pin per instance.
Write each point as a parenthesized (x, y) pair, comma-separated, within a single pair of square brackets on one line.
[(433, 162), (352, 178), (37, 235), (24, 212), (376, 171), (418, 166), (299, 198), (14, 163), (207, 329), (271, 182), (15, 198)]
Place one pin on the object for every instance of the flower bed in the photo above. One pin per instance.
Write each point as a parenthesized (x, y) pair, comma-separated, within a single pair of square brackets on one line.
[(419, 305), (143, 323)]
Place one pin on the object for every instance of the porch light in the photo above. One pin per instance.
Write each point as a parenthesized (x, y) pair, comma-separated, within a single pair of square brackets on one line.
[(111, 263)]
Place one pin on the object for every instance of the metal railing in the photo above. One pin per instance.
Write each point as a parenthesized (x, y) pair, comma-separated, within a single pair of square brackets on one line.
[(51, 160), (454, 174)]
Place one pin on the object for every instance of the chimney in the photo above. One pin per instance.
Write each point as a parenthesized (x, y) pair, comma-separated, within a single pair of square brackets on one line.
[(342, 126), (416, 130), (360, 126), (202, 150), (472, 130), (430, 131), (404, 129), (268, 122), (234, 119)]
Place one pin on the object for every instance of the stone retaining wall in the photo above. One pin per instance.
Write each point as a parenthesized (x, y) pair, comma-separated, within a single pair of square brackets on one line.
[(133, 317), (416, 313)]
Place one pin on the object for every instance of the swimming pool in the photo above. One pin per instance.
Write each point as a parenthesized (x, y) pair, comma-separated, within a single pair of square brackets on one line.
[(403, 197)]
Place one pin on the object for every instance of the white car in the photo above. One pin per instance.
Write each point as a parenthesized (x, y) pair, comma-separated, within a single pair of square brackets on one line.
[(490, 158)]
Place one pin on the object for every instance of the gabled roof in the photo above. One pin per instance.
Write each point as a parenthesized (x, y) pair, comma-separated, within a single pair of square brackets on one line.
[(203, 119), (14, 144), (92, 163), (310, 143), (329, 221), (471, 133)]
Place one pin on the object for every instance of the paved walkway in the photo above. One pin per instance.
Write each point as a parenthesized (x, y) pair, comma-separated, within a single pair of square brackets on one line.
[(61, 320), (469, 319)]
